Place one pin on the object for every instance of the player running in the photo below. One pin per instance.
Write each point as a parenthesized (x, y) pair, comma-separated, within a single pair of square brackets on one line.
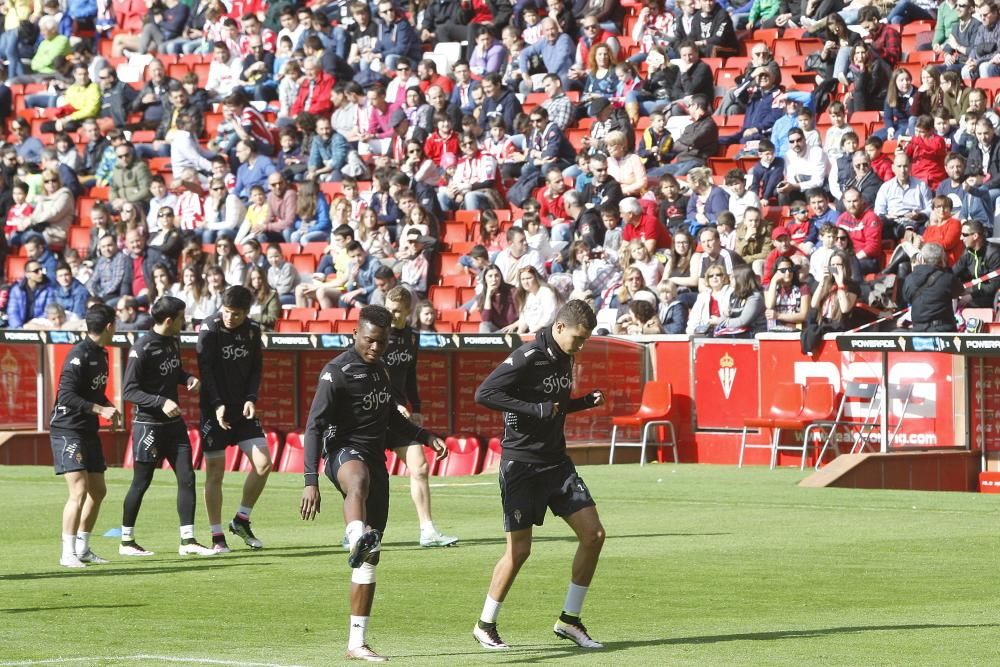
[(76, 447), (158, 430), (348, 422), (532, 388), (229, 362)]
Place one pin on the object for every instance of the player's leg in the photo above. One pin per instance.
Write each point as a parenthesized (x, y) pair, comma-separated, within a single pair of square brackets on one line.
[(504, 572), (376, 513), (420, 493), (179, 456), (97, 489), (576, 507), (76, 485), (146, 458), (256, 451), (353, 479), (215, 468)]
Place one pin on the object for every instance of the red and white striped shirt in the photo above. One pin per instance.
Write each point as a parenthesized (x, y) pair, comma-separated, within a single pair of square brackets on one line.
[(475, 169), (501, 149), (254, 123)]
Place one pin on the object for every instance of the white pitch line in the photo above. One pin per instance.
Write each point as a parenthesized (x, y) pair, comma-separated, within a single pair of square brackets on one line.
[(132, 658), (438, 486)]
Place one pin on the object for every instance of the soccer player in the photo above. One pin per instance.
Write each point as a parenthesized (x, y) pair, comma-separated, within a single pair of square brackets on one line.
[(400, 360), (350, 415), (229, 363), (158, 430), (532, 388), (76, 447)]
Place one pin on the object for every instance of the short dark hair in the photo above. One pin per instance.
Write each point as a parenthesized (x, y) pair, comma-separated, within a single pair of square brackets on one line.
[(377, 316), (166, 307), (577, 313), (98, 318), (765, 145), (238, 297), (400, 295), (344, 230), (384, 273), (354, 246)]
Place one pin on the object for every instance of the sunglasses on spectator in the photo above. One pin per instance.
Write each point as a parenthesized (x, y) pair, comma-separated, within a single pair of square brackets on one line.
[(785, 269), (843, 238)]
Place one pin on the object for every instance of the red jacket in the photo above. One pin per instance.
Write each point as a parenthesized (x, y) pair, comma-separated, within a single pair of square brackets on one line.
[(319, 103), (435, 146), (928, 159), (865, 233)]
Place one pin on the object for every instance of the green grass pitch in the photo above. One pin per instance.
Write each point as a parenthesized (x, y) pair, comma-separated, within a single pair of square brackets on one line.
[(703, 565)]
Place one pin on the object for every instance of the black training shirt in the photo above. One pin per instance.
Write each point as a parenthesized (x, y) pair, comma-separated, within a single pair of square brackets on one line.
[(400, 360), (353, 407), (82, 384), (229, 362), (152, 375), (525, 387)]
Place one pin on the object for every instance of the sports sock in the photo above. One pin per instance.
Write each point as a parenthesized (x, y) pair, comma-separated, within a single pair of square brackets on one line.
[(128, 533), (82, 542), (354, 530), (490, 610), (243, 513), (68, 544), (215, 529), (426, 526), (187, 532), (574, 599), (357, 632)]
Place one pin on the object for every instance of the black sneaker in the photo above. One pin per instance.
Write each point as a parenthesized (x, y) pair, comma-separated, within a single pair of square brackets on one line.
[(241, 528), (488, 637), (219, 544), (369, 544)]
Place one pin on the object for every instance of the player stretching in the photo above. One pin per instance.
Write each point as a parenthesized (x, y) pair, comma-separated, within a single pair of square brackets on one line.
[(401, 361), (351, 413), (532, 388), (76, 447), (158, 430), (229, 362)]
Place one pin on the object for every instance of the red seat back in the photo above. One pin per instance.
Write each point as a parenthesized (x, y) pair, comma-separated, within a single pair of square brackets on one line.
[(463, 456), (820, 401), (494, 450), (787, 401), (657, 398), (293, 457)]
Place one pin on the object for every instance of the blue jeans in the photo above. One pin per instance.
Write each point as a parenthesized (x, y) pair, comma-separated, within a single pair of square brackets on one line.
[(10, 51), (908, 12), (41, 100), (474, 200), (677, 168)]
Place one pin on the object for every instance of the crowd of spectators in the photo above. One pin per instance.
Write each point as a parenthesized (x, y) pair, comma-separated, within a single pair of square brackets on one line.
[(806, 192)]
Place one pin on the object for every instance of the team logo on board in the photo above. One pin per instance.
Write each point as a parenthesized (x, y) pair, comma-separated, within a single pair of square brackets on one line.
[(727, 373)]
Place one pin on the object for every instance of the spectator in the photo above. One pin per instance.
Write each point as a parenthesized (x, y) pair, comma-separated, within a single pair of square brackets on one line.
[(806, 167), (625, 167), (936, 287), (865, 230), (185, 152), (129, 316), (984, 159), (787, 301), (191, 290), (927, 151), (223, 73), (223, 212), (707, 200), (256, 217), (474, 183), (641, 318), (712, 304), (713, 31), (600, 78), (130, 179), (152, 97), (413, 262), (984, 55), (488, 55), (695, 77), (29, 296), (964, 35), (592, 274), (863, 178), (836, 294), (69, 293), (754, 240), (81, 100), (167, 240), (360, 284), (312, 216), (867, 80), (139, 265), (424, 316), (234, 269), (903, 201), (556, 51), (673, 314), (254, 169), (980, 257), (498, 102), (266, 308), (54, 209), (314, 90), (496, 301), (746, 307), (281, 275), (967, 202), (762, 111), (396, 37), (257, 71)]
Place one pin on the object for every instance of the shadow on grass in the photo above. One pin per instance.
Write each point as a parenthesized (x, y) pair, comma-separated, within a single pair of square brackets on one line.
[(410, 546), (530, 653), (106, 571), (29, 610)]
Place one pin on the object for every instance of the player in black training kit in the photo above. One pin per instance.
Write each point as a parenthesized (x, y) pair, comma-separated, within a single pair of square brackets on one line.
[(400, 360), (532, 387), (76, 447), (158, 430), (229, 362), (348, 422)]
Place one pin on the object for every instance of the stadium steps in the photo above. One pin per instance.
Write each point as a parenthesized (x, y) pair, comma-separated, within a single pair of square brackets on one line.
[(912, 470)]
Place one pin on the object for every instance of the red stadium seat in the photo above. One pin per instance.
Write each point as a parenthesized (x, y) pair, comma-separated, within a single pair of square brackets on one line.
[(391, 461), (345, 326), (319, 326), (455, 232), (304, 263), (444, 327), (300, 314), (450, 265), (454, 315), (332, 314), (654, 410), (293, 456), (457, 279), (494, 450), (79, 238), (444, 297), (467, 327), (15, 268), (288, 326), (467, 217), (315, 248), (463, 456), (466, 294)]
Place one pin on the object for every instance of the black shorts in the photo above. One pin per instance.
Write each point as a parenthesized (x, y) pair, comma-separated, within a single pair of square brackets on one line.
[(527, 489), (377, 503), (73, 452), (153, 442), (394, 441), (214, 438)]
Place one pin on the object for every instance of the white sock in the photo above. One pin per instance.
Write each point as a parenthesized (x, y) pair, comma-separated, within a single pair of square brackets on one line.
[(244, 512), (215, 529), (574, 599), (128, 533), (187, 532), (357, 632), (354, 530), (490, 610), (68, 545), (426, 526), (82, 542)]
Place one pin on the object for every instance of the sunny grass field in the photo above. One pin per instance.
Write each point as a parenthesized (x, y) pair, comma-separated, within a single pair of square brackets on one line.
[(703, 566)]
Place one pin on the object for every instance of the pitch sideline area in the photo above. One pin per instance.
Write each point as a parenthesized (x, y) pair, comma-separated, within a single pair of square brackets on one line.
[(704, 565)]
